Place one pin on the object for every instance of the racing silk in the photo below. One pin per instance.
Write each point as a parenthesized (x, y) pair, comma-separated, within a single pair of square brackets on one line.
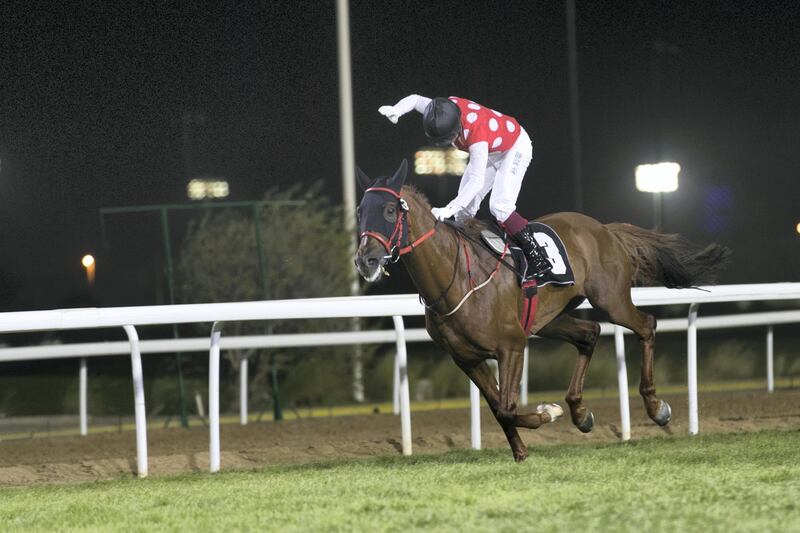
[(481, 124), (499, 154)]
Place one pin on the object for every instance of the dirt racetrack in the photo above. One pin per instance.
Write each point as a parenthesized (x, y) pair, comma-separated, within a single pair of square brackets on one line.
[(172, 451)]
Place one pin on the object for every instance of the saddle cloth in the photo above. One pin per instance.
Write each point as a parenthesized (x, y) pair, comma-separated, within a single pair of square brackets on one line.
[(561, 273), (548, 239)]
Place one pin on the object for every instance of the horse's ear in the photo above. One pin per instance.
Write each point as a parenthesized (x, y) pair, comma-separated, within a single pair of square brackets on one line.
[(364, 181), (399, 178)]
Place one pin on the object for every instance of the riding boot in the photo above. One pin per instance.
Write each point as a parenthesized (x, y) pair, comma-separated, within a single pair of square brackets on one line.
[(538, 263)]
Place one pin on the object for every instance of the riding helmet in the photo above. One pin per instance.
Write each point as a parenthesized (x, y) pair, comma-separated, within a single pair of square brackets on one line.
[(441, 121)]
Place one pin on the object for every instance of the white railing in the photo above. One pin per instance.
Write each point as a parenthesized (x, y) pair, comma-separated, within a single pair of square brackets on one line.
[(396, 306), (298, 340)]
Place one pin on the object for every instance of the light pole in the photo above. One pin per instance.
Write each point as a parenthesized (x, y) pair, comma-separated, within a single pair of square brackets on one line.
[(657, 178)]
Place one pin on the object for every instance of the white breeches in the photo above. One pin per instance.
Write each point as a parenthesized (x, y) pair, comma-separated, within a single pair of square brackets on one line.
[(504, 174)]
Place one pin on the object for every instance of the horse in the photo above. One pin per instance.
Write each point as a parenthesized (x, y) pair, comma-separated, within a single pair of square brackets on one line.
[(395, 223)]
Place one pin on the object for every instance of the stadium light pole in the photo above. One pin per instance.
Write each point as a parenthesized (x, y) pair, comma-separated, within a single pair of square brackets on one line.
[(657, 178), (574, 105), (348, 166)]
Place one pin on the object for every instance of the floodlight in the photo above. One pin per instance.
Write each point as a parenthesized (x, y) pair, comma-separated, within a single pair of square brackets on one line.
[(440, 161), (658, 177), (201, 188)]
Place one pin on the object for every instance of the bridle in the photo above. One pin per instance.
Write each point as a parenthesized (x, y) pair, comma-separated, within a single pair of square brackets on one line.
[(395, 248), (393, 244)]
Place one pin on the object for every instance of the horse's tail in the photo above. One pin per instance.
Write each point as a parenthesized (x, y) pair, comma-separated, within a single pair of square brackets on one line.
[(669, 259)]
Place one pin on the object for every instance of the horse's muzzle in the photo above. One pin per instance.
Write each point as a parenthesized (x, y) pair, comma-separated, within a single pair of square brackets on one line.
[(370, 261)]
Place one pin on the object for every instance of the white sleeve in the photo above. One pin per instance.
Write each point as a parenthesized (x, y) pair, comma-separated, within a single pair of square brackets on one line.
[(412, 101), (474, 175)]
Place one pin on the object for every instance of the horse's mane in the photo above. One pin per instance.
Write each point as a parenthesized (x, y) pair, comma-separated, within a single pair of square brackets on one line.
[(471, 227), (410, 190)]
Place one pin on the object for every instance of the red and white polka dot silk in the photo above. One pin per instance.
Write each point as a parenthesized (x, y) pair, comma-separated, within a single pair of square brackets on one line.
[(481, 124)]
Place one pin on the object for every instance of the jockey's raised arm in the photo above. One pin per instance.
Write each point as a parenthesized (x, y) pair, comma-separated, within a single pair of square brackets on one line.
[(407, 104)]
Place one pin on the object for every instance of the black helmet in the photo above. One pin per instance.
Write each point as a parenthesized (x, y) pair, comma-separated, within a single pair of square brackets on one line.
[(441, 121)]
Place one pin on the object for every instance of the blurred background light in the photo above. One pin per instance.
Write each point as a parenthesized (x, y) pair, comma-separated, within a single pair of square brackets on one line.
[(718, 209), (88, 263), (201, 189), (440, 161)]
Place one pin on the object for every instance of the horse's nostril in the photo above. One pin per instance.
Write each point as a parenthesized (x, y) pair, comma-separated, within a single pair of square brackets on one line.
[(372, 262)]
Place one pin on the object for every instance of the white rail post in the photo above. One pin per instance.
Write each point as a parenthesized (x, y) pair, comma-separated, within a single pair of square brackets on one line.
[(213, 398), (475, 415), (691, 364), (82, 378), (523, 383), (243, 391), (622, 381), (770, 360), (405, 401), (138, 401), (396, 386)]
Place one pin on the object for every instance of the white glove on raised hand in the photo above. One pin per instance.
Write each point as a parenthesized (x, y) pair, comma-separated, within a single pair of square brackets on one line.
[(442, 213), (389, 112)]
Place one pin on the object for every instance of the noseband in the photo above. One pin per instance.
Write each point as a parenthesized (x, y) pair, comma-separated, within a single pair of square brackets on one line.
[(394, 245)]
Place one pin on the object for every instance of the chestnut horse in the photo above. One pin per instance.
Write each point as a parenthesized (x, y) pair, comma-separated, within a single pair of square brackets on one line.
[(607, 260)]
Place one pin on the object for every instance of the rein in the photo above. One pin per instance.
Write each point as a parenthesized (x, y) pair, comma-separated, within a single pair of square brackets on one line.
[(395, 249), (473, 288)]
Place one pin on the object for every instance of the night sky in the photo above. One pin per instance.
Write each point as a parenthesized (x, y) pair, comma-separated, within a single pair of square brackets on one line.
[(94, 95)]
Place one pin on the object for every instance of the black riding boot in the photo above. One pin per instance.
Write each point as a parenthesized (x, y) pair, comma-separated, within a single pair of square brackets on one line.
[(538, 263)]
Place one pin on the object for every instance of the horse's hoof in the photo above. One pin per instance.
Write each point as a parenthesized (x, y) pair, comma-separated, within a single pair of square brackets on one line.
[(520, 456), (553, 409), (588, 423), (664, 413)]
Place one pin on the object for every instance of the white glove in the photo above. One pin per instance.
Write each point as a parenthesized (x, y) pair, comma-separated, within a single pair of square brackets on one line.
[(389, 112), (442, 213)]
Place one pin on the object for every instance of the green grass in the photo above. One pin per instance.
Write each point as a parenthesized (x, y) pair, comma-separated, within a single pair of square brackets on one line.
[(730, 482)]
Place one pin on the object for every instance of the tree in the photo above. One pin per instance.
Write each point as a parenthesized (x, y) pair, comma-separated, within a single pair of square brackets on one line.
[(307, 254)]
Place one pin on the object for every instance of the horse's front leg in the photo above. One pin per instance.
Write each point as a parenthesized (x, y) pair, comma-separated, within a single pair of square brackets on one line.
[(483, 378), (510, 365), (509, 362)]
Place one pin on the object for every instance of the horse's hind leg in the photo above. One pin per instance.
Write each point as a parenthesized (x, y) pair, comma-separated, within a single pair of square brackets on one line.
[(583, 335), (483, 377), (622, 312)]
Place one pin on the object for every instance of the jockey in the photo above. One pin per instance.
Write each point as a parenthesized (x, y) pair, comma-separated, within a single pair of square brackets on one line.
[(499, 153)]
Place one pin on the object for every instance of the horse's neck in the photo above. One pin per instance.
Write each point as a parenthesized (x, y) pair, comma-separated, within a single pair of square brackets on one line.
[(431, 263)]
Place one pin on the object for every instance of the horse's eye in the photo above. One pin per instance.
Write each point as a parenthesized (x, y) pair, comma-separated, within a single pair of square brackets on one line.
[(390, 213)]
